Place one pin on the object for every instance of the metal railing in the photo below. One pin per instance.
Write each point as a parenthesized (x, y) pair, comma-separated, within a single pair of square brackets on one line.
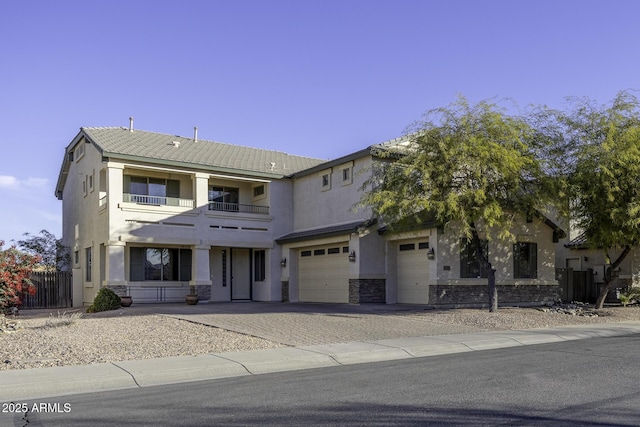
[(237, 207), (143, 199)]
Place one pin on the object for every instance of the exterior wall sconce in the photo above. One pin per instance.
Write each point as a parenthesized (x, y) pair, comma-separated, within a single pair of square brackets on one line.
[(431, 254), (283, 263), (352, 256)]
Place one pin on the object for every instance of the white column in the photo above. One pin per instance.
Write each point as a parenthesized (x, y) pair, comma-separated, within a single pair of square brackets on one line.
[(200, 276), (201, 190), (115, 274), (114, 189)]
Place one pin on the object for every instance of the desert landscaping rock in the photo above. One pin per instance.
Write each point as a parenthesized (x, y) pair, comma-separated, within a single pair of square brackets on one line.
[(119, 335)]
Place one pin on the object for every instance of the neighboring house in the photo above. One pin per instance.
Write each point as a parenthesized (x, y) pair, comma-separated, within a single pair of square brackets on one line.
[(151, 214), (586, 267)]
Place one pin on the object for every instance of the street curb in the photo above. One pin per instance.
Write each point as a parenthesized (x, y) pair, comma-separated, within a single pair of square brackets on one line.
[(29, 384)]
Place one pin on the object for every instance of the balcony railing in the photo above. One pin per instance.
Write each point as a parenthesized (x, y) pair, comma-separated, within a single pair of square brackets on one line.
[(143, 199), (237, 207)]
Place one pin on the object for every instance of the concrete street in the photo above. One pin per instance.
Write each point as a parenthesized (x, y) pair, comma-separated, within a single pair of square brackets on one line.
[(586, 382)]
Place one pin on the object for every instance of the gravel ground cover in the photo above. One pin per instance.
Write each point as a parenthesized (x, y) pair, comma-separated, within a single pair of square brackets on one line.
[(59, 339)]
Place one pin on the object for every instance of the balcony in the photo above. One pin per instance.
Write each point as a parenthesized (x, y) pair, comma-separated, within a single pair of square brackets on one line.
[(144, 199), (237, 207)]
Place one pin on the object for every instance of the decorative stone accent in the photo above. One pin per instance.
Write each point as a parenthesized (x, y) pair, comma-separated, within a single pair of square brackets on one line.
[(203, 292), (570, 309), (8, 326), (362, 291), (507, 294), (120, 290), (285, 291)]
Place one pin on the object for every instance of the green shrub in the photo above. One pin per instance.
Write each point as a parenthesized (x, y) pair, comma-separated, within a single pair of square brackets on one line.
[(105, 300), (629, 295)]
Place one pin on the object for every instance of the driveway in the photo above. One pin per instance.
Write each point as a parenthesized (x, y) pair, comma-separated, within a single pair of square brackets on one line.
[(299, 324)]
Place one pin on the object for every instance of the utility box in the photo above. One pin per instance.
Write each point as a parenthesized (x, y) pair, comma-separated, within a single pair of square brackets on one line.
[(598, 273)]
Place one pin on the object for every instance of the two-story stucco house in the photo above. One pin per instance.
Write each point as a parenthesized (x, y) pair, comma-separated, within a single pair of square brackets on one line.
[(153, 215)]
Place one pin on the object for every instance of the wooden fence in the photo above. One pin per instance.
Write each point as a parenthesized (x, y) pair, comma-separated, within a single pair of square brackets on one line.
[(54, 290)]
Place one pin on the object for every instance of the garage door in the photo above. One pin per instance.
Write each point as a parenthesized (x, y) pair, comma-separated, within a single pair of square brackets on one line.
[(324, 273), (413, 272)]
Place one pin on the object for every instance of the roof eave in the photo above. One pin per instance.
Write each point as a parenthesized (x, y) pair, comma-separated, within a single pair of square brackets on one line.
[(188, 165), (64, 168), (330, 163)]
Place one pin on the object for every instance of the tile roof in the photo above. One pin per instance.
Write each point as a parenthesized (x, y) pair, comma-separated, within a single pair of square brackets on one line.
[(580, 242), (119, 142)]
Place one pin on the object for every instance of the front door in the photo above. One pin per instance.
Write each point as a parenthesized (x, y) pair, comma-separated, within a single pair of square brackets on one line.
[(240, 274)]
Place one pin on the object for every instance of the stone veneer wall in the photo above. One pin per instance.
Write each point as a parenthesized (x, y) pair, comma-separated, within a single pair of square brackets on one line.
[(507, 294), (204, 292), (285, 291), (367, 291), (120, 290)]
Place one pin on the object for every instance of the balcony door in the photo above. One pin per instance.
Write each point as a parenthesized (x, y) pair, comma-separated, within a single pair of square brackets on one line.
[(240, 274), (224, 198)]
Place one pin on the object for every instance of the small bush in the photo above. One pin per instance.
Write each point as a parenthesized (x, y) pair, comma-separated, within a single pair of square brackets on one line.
[(63, 319), (630, 295), (105, 300)]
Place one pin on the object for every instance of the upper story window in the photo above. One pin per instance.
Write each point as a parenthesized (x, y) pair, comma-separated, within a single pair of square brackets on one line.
[(154, 191), (79, 151), (227, 199), (525, 260), (470, 264), (326, 181), (347, 176), (258, 191), (224, 198)]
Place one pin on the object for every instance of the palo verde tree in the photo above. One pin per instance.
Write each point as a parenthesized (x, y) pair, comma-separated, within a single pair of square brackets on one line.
[(53, 254), (604, 177), (471, 167), (15, 268)]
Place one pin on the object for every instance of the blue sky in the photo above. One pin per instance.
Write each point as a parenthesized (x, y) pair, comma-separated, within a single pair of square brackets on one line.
[(319, 78)]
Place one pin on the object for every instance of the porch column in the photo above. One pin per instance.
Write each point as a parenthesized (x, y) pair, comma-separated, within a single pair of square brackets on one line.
[(114, 274), (201, 190), (201, 278)]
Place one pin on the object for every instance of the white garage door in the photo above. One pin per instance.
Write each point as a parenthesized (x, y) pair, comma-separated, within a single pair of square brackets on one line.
[(324, 273), (413, 272)]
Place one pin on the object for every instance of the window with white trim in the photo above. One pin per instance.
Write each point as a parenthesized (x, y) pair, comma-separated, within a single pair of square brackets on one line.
[(347, 176), (159, 264), (326, 181), (88, 263)]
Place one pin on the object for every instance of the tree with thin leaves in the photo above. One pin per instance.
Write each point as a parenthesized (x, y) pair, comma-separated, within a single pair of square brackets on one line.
[(53, 254), (605, 177), (468, 167)]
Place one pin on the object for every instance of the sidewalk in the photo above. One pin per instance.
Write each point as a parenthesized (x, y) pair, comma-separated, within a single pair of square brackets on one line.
[(305, 352)]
